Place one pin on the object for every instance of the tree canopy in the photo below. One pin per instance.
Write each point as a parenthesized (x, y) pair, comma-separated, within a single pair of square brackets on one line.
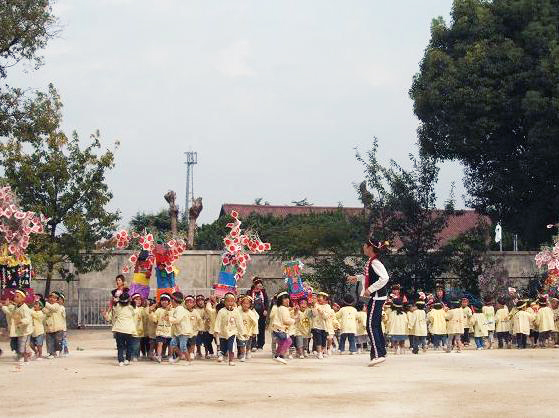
[(487, 95)]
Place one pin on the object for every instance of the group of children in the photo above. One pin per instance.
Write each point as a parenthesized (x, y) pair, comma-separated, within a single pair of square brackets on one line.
[(30, 325)]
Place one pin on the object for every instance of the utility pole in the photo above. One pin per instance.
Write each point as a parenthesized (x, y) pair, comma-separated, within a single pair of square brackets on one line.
[(191, 161)]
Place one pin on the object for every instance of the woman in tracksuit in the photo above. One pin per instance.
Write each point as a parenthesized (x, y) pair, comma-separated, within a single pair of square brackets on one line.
[(375, 287)]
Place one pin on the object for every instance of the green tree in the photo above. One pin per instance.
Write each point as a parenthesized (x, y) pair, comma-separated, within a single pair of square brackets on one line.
[(25, 29), (486, 95), (155, 222), (53, 175)]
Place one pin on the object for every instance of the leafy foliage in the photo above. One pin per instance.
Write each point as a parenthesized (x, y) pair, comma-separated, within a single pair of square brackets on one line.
[(53, 175), (486, 95)]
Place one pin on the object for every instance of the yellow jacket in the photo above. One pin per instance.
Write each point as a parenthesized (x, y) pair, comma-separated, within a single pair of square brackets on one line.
[(38, 323), (303, 324), (556, 318), (122, 318), (544, 319), (320, 316), (250, 323), (161, 318), (211, 314), (398, 324), (489, 312), (418, 323), (477, 322), (23, 320), (437, 321), (361, 323), (183, 321), (228, 323), (521, 322), (347, 317), (282, 320), (467, 311), (8, 311), (54, 317), (203, 323), (455, 321), (502, 320), (139, 321), (150, 327)]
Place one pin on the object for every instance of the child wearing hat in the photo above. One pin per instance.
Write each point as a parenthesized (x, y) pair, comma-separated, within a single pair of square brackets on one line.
[(282, 321), (122, 317), (138, 334), (182, 329), (64, 343), (23, 323), (347, 318), (321, 311), (521, 324), (398, 329), (54, 325), (418, 325), (163, 331), (479, 326), (228, 325), (455, 326), (250, 328), (8, 308), (489, 312), (467, 312), (38, 335), (502, 324), (544, 322), (302, 327), (436, 318)]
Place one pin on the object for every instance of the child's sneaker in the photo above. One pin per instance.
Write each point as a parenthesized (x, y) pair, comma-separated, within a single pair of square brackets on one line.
[(126, 363), (352, 353), (220, 359), (280, 360), (121, 364), (248, 356), (242, 359), (320, 356)]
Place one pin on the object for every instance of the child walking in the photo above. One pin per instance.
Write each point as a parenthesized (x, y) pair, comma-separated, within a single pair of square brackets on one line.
[(302, 328), (122, 317), (321, 311), (521, 324), (282, 321), (347, 318), (163, 331), (54, 325), (250, 328), (489, 312), (228, 325), (545, 323), (38, 335), (398, 329), (455, 326), (437, 325), (479, 326), (418, 326), (361, 332), (502, 325)]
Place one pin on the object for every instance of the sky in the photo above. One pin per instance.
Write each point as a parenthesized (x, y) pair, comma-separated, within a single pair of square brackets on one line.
[(273, 95)]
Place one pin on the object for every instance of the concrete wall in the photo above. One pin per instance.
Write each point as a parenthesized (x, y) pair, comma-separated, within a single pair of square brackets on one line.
[(199, 269)]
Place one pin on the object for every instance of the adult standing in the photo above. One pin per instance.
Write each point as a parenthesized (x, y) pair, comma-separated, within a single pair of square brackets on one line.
[(375, 287), (260, 300)]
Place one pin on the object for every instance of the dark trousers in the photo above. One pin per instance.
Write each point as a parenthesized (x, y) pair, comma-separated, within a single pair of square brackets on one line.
[(416, 342), (134, 343), (144, 346), (503, 338), (374, 328), (261, 339), (521, 340), (207, 340), (351, 339), (123, 346), (466, 336)]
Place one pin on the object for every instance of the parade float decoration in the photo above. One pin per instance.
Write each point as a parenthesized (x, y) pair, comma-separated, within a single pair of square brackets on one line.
[(292, 273), (236, 256), (16, 227), (548, 258), (159, 256)]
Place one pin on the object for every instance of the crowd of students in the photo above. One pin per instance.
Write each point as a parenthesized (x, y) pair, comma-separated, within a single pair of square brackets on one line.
[(30, 326), (183, 328)]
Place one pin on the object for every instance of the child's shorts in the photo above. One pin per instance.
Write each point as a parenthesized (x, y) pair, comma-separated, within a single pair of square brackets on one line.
[(38, 340), (362, 339), (227, 345), (398, 338), (319, 336), (22, 344), (164, 340), (180, 341), (241, 343), (300, 341)]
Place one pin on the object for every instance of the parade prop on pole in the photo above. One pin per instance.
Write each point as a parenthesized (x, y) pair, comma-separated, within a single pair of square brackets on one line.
[(548, 258), (296, 288), (236, 258), (16, 227), (160, 255)]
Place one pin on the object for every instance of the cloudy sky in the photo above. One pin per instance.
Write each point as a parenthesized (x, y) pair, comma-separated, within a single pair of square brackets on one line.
[(273, 95)]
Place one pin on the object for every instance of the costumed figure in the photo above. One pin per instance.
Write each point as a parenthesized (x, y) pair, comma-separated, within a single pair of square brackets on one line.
[(375, 287), (296, 288), (235, 259)]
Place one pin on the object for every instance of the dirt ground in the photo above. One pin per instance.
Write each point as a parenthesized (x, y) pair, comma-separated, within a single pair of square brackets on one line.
[(472, 383)]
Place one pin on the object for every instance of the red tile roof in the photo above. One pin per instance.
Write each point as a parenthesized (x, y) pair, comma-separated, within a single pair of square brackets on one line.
[(283, 211), (459, 223)]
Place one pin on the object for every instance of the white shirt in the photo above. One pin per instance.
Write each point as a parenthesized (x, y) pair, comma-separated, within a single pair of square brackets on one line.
[(379, 269)]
